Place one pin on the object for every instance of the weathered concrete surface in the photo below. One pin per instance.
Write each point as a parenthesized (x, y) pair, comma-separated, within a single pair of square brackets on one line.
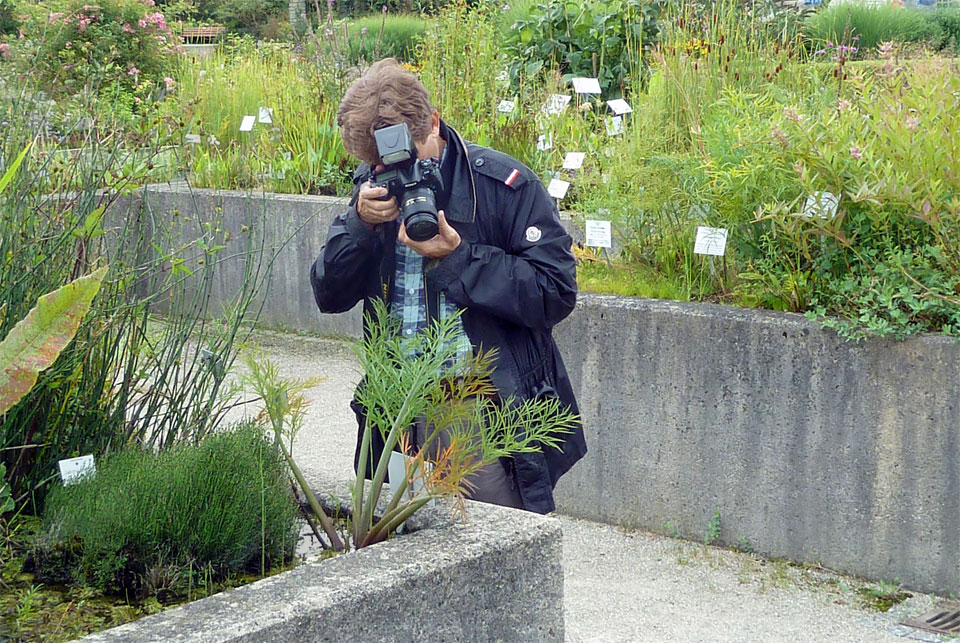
[(806, 446), (623, 585), (496, 577)]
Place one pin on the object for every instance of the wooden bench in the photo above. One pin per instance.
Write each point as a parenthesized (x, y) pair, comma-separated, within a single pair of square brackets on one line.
[(201, 35)]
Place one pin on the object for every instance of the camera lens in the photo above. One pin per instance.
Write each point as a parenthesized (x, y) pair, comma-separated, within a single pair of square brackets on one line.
[(418, 208)]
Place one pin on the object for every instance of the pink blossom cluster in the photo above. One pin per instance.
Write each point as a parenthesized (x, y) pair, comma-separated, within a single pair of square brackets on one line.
[(153, 20), (4, 50)]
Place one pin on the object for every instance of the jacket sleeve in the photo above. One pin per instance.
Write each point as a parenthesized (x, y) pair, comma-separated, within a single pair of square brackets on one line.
[(348, 261), (531, 283)]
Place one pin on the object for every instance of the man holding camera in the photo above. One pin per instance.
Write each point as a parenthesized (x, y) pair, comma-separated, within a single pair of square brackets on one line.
[(436, 225)]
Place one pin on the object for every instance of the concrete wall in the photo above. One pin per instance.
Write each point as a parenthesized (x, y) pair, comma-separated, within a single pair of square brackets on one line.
[(497, 577), (809, 448)]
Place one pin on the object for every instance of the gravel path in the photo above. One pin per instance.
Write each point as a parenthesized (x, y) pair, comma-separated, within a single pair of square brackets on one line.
[(622, 585)]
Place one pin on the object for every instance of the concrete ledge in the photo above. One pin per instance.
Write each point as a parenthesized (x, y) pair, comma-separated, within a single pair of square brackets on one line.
[(496, 577)]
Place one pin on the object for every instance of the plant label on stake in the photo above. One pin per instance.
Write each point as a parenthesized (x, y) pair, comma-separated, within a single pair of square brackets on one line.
[(73, 469), (598, 234), (586, 85), (247, 124), (558, 189), (265, 115), (619, 106), (397, 470), (573, 160), (821, 204), (192, 139), (544, 142), (555, 104), (710, 241), (505, 106), (614, 125)]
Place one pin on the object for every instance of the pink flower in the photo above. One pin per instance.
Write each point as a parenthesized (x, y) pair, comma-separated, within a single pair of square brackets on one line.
[(68, 44), (149, 3), (843, 104), (792, 114), (363, 32), (21, 33), (136, 100), (133, 71), (912, 123), (127, 28), (54, 17), (4, 50), (169, 82), (855, 152), (142, 23)]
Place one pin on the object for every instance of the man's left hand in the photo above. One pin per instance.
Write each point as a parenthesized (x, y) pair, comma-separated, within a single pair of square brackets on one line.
[(437, 247)]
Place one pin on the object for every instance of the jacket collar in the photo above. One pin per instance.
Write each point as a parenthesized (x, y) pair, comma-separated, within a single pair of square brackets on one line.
[(458, 177)]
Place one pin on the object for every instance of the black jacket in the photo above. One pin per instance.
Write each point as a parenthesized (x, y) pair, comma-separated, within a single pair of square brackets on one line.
[(513, 273)]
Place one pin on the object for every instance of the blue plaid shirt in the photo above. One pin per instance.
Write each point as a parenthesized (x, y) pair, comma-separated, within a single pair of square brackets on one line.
[(409, 300)]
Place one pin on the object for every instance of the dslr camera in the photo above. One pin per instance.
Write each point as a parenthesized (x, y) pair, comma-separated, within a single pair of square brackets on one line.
[(414, 182)]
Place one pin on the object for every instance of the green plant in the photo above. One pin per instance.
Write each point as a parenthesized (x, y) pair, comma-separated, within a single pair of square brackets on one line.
[(125, 378), (404, 381), (377, 36), (712, 532), (113, 43), (8, 17), (602, 39), (947, 19), (189, 513), (34, 344)]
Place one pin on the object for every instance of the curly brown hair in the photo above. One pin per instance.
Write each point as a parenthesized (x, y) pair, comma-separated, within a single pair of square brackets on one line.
[(386, 94)]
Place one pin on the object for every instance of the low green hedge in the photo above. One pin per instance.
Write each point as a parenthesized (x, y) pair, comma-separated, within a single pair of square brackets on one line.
[(148, 522)]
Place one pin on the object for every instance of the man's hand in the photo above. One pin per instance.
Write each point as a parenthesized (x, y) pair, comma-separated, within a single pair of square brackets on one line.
[(439, 246), (372, 210)]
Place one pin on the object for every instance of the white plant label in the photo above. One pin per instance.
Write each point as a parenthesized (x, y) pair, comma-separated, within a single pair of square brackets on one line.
[(505, 106), (586, 85), (710, 241), (247, 124), (544, 142), (279, 175), (72, 469), (192, 139), (619, 106), (557, 188), (265, 115), (598, 234), (556, 104), (821, 204), (503, 76), (397, 469), (573, 160), (614, 125)]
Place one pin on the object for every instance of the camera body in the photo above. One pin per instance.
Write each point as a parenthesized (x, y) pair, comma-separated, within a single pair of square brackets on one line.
[(413, 182)]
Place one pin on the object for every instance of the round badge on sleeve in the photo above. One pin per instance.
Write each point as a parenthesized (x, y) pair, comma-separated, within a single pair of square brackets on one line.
[(533, 234)]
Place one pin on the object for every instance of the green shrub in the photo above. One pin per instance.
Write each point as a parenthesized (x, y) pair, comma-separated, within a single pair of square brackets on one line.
[(866, 26), (222, 506), (115, 42), (947, 18), (377, 36), (601, 38), (8, 17), (247, 16)]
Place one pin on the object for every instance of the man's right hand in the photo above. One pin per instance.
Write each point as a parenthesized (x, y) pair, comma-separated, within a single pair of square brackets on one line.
[(371, 209)]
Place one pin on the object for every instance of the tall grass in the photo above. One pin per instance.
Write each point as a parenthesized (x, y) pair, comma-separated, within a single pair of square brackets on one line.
[(866, 26), (124, 379)]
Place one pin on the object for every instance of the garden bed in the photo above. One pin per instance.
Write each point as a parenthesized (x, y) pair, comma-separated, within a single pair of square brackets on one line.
[(497, 576)]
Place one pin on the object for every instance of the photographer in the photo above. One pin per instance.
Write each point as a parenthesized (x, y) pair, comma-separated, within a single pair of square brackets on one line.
[(494, 248)]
